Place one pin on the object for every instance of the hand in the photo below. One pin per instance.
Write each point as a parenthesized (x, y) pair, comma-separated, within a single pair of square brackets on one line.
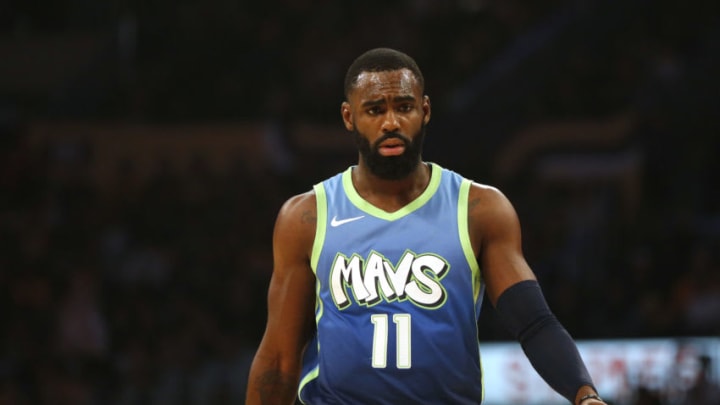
[(592, 401)]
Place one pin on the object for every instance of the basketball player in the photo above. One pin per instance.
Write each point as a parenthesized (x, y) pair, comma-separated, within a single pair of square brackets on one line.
[(379, 271)]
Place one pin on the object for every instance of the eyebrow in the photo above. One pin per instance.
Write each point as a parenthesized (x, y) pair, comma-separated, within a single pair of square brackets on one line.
[(380, 101)]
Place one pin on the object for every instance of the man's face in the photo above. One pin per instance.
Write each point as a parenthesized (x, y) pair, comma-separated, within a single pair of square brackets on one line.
[(387, 114)]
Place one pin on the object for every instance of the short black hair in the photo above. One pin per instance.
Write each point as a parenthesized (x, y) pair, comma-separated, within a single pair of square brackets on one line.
[(381, 60)]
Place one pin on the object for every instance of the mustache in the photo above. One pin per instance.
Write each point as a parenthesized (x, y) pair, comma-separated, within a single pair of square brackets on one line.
[(392, 135)]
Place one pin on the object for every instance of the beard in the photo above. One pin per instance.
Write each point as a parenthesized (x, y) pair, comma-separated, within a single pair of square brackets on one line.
[(391, 167)]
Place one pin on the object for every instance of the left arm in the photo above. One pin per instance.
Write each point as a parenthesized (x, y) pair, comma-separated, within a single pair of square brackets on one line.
[(513, 290)]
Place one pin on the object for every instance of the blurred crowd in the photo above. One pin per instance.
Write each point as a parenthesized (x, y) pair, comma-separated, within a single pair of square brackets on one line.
[(153, 291), (150, 293)]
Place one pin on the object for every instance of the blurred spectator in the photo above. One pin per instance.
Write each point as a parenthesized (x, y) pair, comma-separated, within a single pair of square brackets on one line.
[(705, 390)]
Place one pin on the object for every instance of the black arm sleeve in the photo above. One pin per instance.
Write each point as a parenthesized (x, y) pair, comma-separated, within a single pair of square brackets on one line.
[(549, 347)]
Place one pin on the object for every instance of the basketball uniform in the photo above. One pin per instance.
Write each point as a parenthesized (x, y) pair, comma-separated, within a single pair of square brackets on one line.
[(399, 296)]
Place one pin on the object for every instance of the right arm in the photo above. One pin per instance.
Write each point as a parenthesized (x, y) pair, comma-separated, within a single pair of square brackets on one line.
[(514, 292), (275, 370)]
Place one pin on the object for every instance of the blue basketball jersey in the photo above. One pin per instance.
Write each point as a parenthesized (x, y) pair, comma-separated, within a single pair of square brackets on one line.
[(399, 296)]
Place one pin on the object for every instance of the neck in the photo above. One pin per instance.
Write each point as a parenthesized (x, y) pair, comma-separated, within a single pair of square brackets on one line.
[(390, 195)]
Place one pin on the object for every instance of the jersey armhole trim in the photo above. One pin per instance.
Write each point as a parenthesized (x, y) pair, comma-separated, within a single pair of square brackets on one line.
[(463, 229), (320, 225), (313, 374)]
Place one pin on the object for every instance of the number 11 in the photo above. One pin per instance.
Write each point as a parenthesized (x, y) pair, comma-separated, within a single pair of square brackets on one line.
[(380, 340)]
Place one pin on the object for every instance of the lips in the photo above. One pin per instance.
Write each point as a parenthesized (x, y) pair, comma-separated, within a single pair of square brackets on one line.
[(391, 147)]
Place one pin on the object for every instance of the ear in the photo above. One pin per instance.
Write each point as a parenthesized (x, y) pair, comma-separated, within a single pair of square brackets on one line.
[(346, 114), (426, 109)]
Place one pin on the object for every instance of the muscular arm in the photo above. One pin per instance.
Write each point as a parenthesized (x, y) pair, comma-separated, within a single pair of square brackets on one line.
[(275, 370), (512, 288), (495, 233)]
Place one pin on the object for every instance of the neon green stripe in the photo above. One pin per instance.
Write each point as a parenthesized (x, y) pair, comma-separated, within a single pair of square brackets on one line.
[(482, 376), (321, 205), (463, 229), (392, 216), (308, 377), (319, 308), (320, 227)]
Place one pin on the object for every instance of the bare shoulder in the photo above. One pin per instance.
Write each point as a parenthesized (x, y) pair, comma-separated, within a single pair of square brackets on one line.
[(296, 222), (300, 207), (485, 199), (496, 238), (490, 214)]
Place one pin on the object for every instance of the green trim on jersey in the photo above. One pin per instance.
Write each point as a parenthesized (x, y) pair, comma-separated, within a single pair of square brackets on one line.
[(309, 377), (321, 208), (319, 241), (464, 231), (463, 228), (352, 194)]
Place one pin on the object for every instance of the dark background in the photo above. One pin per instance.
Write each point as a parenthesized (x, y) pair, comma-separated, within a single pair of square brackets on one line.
[(146, 146)]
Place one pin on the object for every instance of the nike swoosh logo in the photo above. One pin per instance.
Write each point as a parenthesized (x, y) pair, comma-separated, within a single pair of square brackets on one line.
[(337, 222)]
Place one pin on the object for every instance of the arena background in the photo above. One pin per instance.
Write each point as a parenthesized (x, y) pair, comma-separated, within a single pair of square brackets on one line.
[(146, 146)]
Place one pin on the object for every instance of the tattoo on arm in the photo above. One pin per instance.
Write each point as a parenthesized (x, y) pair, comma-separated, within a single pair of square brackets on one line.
[(308, 217), (275, 388), (473, 203)]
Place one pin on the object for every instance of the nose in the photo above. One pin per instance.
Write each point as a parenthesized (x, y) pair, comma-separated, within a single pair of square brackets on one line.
[(390, 123)]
